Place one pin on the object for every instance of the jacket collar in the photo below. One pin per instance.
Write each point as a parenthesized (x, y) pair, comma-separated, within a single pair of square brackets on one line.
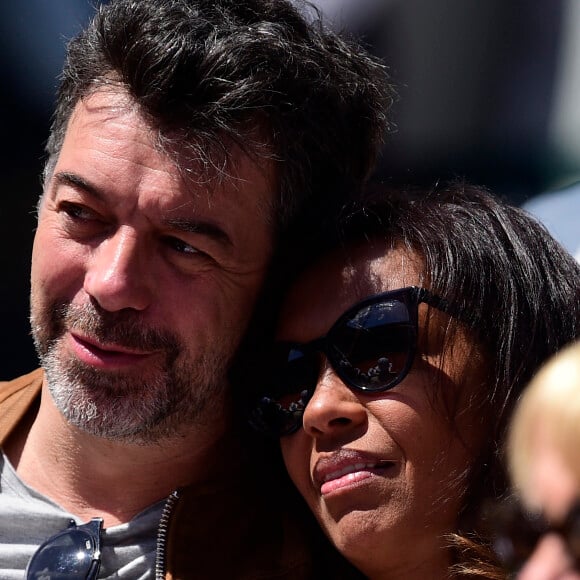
[(17, 397)]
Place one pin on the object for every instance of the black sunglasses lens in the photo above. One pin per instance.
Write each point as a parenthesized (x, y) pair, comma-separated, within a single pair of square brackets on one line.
[(573, 541), (519, 531), (515, 533), (513, 550), (373, 349), (294, 374), (370, 348), (67, 555)]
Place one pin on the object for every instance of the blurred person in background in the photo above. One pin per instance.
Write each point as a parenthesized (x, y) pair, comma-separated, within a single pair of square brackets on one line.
[(542, 539)]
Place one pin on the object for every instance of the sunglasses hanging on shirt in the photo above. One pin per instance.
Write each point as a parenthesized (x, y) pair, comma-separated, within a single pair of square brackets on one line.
[(72, 553)]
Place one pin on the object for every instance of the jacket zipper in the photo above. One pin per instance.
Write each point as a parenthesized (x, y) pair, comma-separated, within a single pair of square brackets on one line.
[(162, 535)]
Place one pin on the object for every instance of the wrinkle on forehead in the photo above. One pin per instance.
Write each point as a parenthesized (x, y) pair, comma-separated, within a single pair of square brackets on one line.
[(213, 167), (204, 163)]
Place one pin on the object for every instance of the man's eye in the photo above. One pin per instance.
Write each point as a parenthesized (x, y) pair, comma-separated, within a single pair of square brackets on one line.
[(77, 212), (181, 246)]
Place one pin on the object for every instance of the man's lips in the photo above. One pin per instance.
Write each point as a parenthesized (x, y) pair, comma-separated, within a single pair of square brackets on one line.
[(347, 467), (93, 352)]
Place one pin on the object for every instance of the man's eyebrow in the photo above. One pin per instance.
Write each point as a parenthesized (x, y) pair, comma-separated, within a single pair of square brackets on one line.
[(77, 182), (180, 224), (199, 227)]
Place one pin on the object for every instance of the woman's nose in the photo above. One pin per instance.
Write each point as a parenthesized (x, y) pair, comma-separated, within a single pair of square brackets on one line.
[(119, 274), (333, 408)]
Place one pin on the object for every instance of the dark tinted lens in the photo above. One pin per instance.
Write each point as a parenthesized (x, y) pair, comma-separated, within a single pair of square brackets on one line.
[(297, 371), (373, 349), (293, 378), (571, 532), (65, 556), (516, 533), (513, 551)]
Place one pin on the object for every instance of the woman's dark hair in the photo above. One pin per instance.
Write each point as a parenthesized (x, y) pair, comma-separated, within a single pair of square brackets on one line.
[(507, 281)]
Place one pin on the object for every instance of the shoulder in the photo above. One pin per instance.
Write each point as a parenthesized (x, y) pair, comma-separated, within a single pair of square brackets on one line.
[(16, 397)]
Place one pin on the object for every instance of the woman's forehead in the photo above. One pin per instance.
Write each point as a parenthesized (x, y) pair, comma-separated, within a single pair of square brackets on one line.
[(340, 280)]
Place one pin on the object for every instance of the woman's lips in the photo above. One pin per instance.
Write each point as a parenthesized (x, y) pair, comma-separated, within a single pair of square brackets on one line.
[(347, 467)]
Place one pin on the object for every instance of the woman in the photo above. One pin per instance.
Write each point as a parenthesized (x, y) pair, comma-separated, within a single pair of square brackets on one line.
[(399, 355), (544, 461)]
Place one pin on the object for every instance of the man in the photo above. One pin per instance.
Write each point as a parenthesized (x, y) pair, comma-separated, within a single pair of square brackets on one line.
[(189, 136)]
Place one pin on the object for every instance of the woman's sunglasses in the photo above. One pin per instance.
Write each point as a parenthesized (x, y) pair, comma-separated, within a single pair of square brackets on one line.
[(370, 348), (72, 553), (516, 532)]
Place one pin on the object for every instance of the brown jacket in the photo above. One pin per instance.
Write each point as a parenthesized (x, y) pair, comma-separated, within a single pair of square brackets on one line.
[(239, 523)]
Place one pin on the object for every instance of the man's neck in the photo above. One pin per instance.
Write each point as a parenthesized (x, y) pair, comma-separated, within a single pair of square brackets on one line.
[(90, 476)]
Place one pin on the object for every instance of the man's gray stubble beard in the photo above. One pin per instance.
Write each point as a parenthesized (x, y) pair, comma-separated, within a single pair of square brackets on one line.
[(122, 409)]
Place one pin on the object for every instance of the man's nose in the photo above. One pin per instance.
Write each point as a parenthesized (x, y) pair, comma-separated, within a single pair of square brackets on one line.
[(119, 274)]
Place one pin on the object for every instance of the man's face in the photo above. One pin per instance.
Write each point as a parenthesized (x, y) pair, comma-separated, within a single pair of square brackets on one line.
[(143, 282)]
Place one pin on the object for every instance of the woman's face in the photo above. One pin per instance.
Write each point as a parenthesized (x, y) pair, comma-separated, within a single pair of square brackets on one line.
[(383, 472)]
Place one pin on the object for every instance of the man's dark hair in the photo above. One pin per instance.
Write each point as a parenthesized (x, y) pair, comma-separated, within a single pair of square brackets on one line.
[(255, 73)]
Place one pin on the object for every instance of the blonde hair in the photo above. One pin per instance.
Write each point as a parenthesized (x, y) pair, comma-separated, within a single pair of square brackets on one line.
[(551, 400)]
